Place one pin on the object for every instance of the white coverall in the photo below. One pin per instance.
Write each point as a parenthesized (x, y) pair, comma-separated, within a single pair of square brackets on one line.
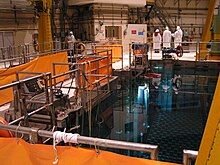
[(166, 38), (71, 40), (156, 41), (178, 37)]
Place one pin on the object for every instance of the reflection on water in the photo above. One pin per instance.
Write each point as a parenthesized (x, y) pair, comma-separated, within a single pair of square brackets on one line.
[(156, 113), (147, 114)]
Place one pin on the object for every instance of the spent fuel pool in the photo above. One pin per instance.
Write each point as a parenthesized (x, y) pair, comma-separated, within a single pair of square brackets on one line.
[(169, 110)]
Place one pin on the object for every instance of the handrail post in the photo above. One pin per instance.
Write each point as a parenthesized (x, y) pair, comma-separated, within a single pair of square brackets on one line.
[(189, 155)]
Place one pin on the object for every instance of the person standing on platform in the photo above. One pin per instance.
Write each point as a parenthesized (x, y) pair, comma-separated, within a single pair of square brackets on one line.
[(166, 38), (70, 41), (156, 41), (178, 35)]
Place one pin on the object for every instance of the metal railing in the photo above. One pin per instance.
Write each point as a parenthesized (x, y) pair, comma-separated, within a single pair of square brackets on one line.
[(152, 149), (188, 156), (100, 74), (15, 55)]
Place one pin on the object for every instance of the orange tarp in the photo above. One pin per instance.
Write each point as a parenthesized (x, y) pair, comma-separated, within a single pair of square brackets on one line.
[(90, 68), (22, 153), (116, 51), (99, 67), (40, 64)]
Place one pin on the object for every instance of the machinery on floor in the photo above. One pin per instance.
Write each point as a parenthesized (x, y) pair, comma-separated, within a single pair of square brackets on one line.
[(166, 52)]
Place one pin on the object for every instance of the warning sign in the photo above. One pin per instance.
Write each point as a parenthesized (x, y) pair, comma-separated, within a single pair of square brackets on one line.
[(133, 32)]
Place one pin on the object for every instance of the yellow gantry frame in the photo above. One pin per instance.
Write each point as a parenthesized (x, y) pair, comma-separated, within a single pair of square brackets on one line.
[(209, 151), (44, 26), (150, 1), (206, 35)]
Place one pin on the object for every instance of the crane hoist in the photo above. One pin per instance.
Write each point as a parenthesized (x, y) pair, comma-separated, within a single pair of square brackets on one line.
[(43, 8)]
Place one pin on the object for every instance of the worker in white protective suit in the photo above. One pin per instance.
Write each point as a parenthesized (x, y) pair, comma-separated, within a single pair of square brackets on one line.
[(70, 41), (156, 41), (178, 35), (167, 38)]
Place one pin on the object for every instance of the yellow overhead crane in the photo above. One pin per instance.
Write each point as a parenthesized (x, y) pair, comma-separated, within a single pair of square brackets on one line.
[(44, 24)]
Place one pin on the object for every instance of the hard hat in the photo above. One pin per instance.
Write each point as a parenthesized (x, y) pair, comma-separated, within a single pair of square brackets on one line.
[(167, 28), (177, 28), (71, 32), (157, 30)]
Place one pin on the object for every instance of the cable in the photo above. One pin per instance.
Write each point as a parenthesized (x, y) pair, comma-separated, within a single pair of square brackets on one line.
[(70, 85), (90, 105)]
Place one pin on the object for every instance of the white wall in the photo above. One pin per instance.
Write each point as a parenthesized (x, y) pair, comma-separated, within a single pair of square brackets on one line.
[(135, 33), (131, 33), (140, 35)]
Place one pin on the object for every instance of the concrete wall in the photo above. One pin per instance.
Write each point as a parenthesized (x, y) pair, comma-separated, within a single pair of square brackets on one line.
[(17, 37), (23, 37)]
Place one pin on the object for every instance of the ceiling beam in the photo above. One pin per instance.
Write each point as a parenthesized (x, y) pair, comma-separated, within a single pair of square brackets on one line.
[(164, 2), (175, 2), (197, 2), (188, 2)]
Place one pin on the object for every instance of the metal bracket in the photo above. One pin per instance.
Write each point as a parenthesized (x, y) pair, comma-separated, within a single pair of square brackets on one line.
[(34, 137)]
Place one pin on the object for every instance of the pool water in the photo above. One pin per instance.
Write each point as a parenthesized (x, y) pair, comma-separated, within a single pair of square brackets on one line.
[(151, 111)]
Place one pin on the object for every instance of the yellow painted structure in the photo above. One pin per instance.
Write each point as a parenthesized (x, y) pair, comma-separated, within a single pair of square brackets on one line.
[(150, 1), (44, 32), (206, 35), (44, 26), (209, 151), (213, 57)]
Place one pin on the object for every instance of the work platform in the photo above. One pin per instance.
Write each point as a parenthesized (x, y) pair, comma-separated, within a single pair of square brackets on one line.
[(114, 111)]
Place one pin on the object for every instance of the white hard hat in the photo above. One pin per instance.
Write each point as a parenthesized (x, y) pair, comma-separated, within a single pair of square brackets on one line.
[(177, 28), (71, 32), (167, 28), (157, 30)]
